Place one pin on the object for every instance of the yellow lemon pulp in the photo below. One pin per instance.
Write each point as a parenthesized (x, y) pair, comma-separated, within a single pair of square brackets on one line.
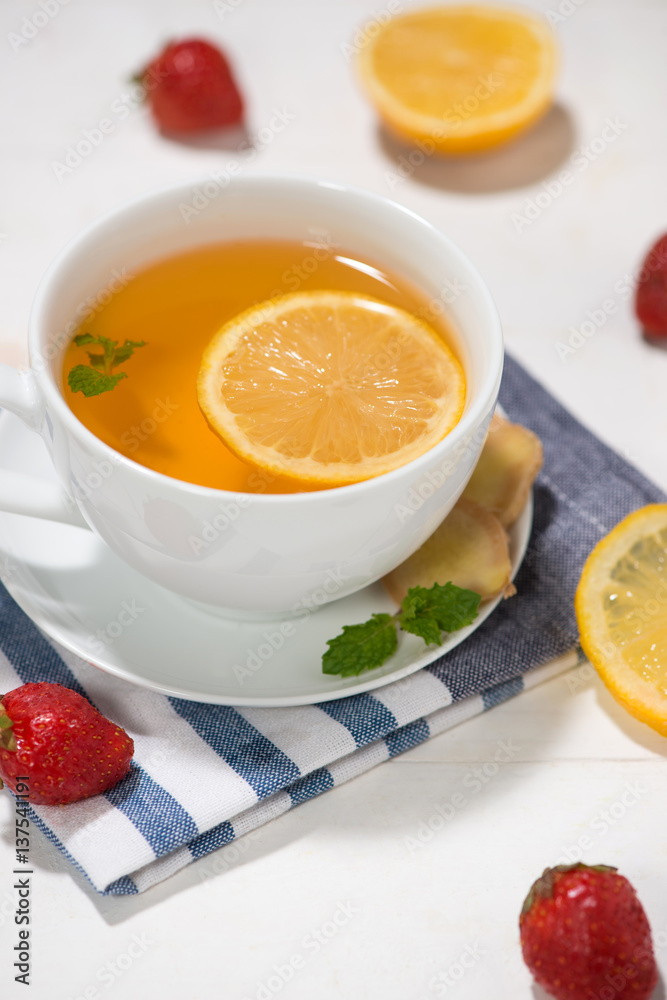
[(460, 79), (621, 607), (329, 387)]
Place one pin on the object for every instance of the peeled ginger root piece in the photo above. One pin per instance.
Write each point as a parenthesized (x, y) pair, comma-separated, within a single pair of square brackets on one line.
[(510, 460), (470, 549)]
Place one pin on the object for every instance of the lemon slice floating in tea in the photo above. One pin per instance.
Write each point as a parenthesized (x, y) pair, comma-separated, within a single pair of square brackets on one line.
[(460, 79), (621, 607), (329, 387)]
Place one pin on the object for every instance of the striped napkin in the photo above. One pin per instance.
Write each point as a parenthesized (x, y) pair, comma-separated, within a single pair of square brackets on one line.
[(205, 775)]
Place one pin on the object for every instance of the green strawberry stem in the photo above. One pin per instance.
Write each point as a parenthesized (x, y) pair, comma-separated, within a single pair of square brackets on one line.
[(7, 738)]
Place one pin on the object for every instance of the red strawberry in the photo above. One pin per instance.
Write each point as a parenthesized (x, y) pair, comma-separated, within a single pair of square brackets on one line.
[(190, 87), (584, 935), (64, 747), (651, 300)]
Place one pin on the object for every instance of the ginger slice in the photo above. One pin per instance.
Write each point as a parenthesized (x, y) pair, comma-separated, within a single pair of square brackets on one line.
[(470, 549), (510, 460)]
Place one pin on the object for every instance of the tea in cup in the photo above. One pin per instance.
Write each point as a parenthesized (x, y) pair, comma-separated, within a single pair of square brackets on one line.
[(141, 463)]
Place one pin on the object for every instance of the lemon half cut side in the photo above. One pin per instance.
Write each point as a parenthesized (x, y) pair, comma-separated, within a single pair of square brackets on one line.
[(621, 606), (460, 79)]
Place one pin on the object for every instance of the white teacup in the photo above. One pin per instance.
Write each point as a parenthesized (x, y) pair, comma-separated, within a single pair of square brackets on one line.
[(251, 553)]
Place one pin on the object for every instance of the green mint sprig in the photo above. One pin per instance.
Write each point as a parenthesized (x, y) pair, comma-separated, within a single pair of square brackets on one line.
[(99, 376), (425, 611)]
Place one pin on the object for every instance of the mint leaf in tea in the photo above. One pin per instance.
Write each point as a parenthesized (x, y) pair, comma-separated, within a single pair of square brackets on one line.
[(99, 376)]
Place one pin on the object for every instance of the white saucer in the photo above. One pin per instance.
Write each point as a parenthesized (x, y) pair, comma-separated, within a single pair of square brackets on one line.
[(78, 592)]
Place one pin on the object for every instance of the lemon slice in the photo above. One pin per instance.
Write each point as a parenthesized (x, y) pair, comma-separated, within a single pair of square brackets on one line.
[(621, 606), (329, 387), (460, 79)]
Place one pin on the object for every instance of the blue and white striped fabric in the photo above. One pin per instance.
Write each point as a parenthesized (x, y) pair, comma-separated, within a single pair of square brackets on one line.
[(205, 775)]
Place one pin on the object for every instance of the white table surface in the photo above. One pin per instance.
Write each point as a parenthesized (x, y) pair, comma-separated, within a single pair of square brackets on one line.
[(227, 926)]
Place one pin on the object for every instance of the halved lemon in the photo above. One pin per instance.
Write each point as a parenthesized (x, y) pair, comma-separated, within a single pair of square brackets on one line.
[(621, 606), (329, 387), (459, 79)]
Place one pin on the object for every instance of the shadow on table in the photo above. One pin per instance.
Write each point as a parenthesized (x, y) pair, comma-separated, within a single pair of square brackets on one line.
[(539, 993), (527, 160), (233, 139), (635, 730), (658, 993)]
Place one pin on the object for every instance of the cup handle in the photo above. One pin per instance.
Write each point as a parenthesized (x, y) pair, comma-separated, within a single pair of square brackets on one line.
[(20, 494)]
